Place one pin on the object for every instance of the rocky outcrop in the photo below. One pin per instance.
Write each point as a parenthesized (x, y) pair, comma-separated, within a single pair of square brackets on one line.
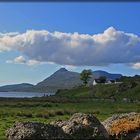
[(35, 130), (124, 126), (79, 126), (83, 126)]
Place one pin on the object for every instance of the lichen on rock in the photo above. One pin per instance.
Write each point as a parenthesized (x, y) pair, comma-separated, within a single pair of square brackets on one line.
[(79, 126), (34, 130), (124, 126), (85, 126)]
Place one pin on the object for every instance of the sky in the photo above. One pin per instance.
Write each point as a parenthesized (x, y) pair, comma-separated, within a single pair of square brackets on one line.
[(36, 39)]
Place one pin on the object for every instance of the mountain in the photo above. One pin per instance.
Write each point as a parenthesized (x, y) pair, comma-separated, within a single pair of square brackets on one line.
[(61, 79), (109, 76), (64, 79), (15, 87)]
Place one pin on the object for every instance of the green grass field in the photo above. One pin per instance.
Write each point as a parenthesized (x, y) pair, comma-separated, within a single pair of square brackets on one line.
[(103, 91), (67, 102), (42, 110)]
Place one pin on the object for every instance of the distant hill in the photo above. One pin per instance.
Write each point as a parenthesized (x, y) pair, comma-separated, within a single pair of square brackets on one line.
[(61, 79), (109, 76), (15, 87), (128, 90), (64, 79)]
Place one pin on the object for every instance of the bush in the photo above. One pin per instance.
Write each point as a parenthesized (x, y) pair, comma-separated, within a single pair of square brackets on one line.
[(39, 115), (22, 114), (52, 113), (69, 112), (43, 115), (46, 105), (60, 112)]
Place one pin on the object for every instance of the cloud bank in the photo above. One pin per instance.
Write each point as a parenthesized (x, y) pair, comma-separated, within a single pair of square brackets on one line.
[(22, 60), (136, 65), (41, 46)]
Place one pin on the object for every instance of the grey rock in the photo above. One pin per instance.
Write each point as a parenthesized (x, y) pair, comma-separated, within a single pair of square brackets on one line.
[(79, 126), (34, 130), (137, 137), (108, 122), (133, 131), (85, 126)]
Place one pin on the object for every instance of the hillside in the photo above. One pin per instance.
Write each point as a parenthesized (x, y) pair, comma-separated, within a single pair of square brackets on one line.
[(15, 87), (61, 79), (128, 89), (109, 76), (64, 79)]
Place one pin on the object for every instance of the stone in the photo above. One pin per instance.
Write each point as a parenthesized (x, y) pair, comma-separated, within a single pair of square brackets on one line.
[(34, 130), (79, 126), (85, 126), (124, 126)]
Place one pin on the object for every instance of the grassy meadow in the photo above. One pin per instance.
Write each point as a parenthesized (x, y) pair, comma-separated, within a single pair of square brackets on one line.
[(48, 109), (98, 100)]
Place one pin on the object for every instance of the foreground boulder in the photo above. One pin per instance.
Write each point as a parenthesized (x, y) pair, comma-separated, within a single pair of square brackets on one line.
[(34, 130), (79, 126), (124, 126), (83, 126)]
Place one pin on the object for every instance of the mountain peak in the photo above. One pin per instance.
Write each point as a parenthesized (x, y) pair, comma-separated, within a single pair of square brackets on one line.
[(62, 70)]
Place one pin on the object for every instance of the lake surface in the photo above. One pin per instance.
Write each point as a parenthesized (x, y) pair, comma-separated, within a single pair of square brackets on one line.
[(23, 94)]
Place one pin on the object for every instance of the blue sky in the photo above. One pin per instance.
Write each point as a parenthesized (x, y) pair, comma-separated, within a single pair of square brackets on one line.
[(84, 18)]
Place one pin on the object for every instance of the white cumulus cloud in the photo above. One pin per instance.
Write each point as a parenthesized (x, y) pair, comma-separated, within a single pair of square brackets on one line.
[(17, 60), (22, 60), (41, 46), (136, 65)]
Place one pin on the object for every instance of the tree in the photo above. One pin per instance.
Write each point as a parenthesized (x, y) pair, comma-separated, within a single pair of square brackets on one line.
[(85, 75), (102, 79)]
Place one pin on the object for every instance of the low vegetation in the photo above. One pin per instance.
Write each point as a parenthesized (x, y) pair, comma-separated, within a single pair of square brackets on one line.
[(102, 100), (81, 91), (48, 109), (129, 88)]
